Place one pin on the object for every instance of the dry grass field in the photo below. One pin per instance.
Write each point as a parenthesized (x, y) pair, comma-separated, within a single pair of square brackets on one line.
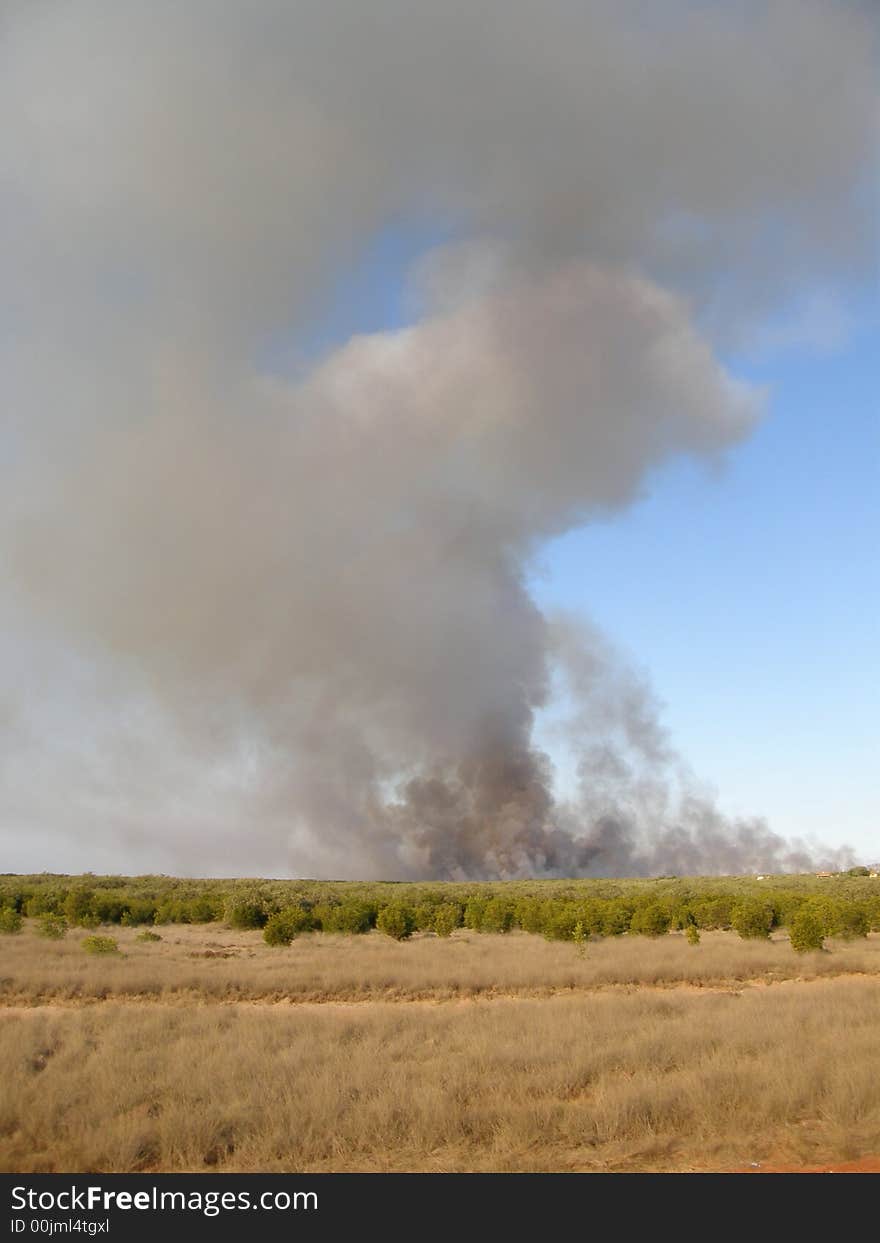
[(209, 1050)]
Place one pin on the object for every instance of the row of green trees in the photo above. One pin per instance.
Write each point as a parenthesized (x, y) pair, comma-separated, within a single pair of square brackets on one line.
[(847, 907), (813, 919), (84, 907), (809, 927)]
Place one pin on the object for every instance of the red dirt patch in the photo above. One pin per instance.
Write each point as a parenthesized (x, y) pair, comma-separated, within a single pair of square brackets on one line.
[(863, 1165)]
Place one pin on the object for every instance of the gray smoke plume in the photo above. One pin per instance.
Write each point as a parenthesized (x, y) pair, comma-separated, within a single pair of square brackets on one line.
[(266, 617), (646, 814)]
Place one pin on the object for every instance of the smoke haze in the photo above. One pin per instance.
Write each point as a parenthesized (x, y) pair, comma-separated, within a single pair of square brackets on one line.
[(274, 617)]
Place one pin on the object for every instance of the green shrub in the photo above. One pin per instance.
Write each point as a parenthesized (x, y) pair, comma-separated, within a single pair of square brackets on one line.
[(827, 911), (10, 920), (169, 912), (278, 931), (752, 919), (580, 936), (78, 908), (205, 910), (107, 909), (786, 905), (616, 918), (320, 915), (138, 911), (715, 911), (529, 914), (473, 913), (146, 935), (650, 921), (396, 921), (100, 945), (423, 914), (592, 915), (497, 916), (246, 913), (16, 899), (852, 921), (53, 927), (199, 910), (560, 919), (859, 871), (807, 931), (447, 918), (282, 927), (692, 933), (350, 917), (43, 904), (682, 916)]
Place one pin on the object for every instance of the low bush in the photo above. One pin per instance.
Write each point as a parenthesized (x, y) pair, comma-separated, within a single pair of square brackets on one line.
[(853, 922), (43, 904), (282, 927), (592, 915), (10, 920), (204, 910), (807, 931), (146, 935), (497, 916), (53, 927), (681, 917), (396, 921), (752, 920), (650, 921), (138, 911), (100, 945), (447, 918), (423, 914), (616, 918), (530, 914), (246, 913), (107, 908), (560, 919), (350, 917), (473, 913), (78, 909), (827, 910), (714, 911)]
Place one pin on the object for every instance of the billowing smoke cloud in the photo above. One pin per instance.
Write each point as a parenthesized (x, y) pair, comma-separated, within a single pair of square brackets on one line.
[(265, 619), (647, 815)]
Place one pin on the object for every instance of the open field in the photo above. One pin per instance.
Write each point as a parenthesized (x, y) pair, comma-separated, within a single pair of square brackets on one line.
[(214, 963), (210, 1050)]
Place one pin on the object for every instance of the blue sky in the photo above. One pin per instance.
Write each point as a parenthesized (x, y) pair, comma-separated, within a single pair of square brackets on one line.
[(750, 598), (748, 595)]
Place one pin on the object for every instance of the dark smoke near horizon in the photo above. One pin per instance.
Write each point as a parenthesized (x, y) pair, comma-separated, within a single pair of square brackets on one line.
[(269, 612)]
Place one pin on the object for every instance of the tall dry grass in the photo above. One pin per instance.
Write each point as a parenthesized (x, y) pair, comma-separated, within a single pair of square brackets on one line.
[(607, 1081), (219, 964), (516, 1054)]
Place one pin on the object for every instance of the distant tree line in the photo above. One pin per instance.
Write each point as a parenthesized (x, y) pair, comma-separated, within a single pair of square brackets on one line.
[(811, 909)]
